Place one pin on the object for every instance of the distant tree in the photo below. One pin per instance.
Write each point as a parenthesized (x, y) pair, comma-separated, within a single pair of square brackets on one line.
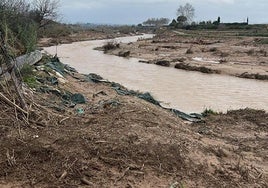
[(156, 21), (173, 23), (45, 11), (182, 20), (219, 20), (215, 23), (209, 22), (187, 11)]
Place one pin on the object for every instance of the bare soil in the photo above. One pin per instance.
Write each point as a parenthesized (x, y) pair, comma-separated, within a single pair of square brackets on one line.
[(80, 36), (123, 141), (217, 51)]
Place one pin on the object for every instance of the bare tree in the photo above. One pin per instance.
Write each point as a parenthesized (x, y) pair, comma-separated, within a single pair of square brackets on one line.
[(187, 11), (45, 11), (19, 6)]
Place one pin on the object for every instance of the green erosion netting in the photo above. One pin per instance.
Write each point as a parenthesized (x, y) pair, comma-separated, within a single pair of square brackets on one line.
[(59, 67), (73, 99), (121, 90)]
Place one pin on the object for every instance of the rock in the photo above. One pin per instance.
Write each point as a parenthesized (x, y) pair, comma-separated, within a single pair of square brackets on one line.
[(124, 53), (78, 98), (164, 63), (31, 59)]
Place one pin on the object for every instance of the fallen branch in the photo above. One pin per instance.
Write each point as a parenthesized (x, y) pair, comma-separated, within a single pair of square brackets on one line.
[(10, 103), (86, 182), (63, 175), (123, 175), (61, 121)]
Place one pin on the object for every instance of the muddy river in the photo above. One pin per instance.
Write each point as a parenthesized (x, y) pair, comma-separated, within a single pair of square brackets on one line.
[(186, 91)]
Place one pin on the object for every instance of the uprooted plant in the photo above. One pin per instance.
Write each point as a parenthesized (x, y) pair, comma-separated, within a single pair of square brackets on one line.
[(111, 45)]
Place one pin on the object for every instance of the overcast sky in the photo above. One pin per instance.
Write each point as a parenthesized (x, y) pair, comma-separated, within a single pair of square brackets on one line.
[(137, 11)]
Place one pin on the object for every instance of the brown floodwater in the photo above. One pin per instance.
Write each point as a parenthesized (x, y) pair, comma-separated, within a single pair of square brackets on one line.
[(183, 90)]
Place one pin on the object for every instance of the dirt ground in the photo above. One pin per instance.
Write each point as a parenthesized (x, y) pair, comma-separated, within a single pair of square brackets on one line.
[(79, 36), (123, 141), (205, 51)]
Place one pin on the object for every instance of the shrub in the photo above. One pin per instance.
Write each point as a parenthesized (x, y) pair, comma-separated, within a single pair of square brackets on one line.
[(111, 45), (28, 36), (28, 76), (26, 70), (208, 112)]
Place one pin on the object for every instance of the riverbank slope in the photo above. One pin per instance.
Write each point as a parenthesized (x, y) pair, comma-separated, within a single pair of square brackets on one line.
[(114, 140)]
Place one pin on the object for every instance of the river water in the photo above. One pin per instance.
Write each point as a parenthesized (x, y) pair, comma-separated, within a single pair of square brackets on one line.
[(183, 90)]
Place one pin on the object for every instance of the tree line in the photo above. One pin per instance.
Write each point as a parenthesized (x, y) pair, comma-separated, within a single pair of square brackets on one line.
[(186, 13)]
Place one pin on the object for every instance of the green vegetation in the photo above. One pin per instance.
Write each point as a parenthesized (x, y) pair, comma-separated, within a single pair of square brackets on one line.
[(208, 112), (28, 76), (21, 21)]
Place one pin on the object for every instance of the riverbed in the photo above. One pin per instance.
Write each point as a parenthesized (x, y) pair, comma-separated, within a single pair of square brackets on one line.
[(183, 90)]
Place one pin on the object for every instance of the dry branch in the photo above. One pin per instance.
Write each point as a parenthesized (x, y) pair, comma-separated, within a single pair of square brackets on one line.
[(10, 61), (10, 103)]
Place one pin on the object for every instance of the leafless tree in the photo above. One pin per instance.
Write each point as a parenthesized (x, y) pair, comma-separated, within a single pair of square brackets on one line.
[(17, 6), (45, 11), (10, 4), (187, 11)]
